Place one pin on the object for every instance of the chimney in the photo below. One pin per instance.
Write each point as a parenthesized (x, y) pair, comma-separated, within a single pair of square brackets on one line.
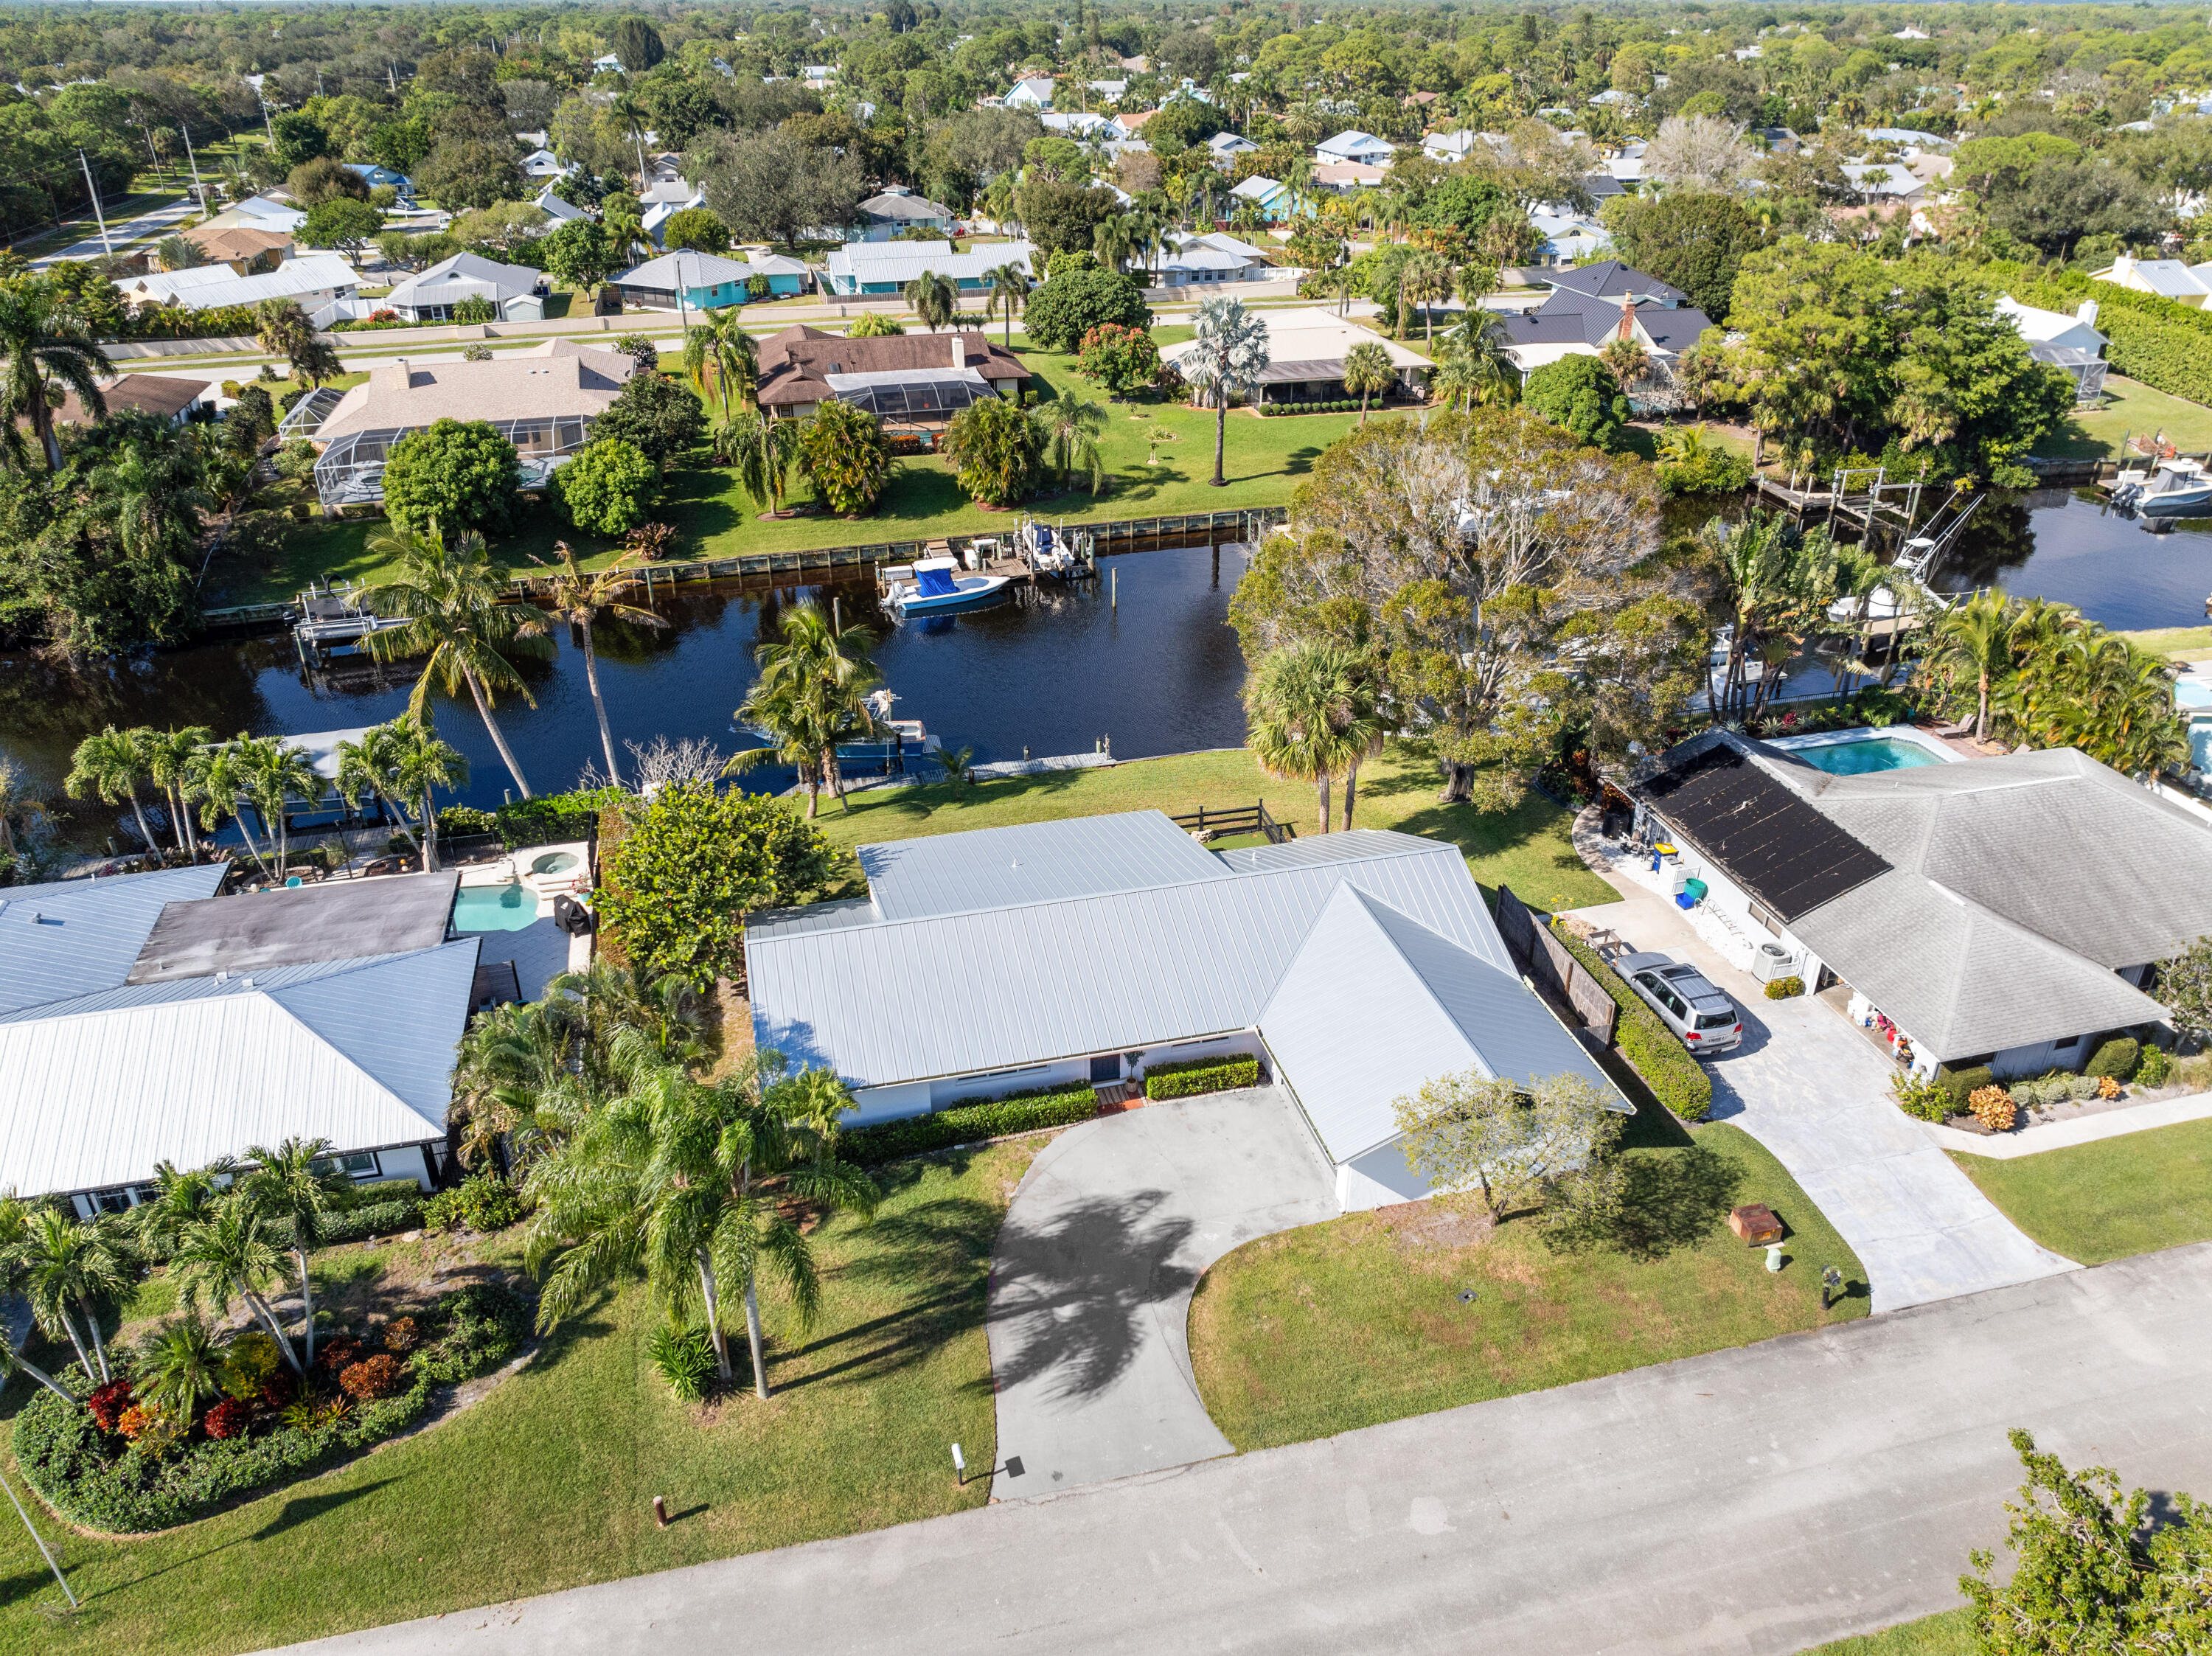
[(1627, 317), (2123, 266), (959, 350), (2087, 315)]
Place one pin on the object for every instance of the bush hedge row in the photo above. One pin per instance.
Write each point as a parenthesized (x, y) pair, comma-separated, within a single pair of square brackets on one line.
[(370, 1219), (1653, 1050), (1963, 1085), (1269, 410), (2165, 346), (1201, 1075), (967, 1124), (2116, 1058)]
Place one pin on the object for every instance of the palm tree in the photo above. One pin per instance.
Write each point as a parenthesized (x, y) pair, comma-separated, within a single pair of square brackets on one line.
[(178, 253), (1229, 354), (689, 1182), (272, 773), (934, 299), (764, 450), (294, 1181), (720, 357), (173, 761), (422, 764), (1425, 278), (625, 228), (1779, 583), (366, 766), (451, 601), (1369, 372), (177, 1364), (229, 1252), (1974, 640), (1312, 715), (812, 690), (797, 734), (1072, 427), (284, 330), (110, 766), (181, 1201), (517, 1082), (42, 340), (1627, 357), (1112, 239), (219, 783), (577, 598), (1010, 290), (64, 1267)]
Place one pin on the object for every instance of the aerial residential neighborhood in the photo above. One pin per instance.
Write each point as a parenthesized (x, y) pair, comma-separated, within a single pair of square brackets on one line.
[(1283, 828)]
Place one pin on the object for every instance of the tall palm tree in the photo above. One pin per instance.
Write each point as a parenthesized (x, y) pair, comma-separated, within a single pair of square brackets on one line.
[(1627, 357), (282, 329), (452, 599), (1423, 279), (719, 358), (934, 299), (294, 1181), (181, 1200), (1779, 582), (228, 1253), (812, 693), (1072, 428), (366, 765), (798, 730), (578, 599), (422, 764), (110, 766), (43, 341), (689, 1182), (1974, 640), (625, 227), (173, 762), (65, 1268), (1010, 290), (1230, 352), (1114, 239), (271, 775), (764, 450), (1369, 372), (1312, 712)]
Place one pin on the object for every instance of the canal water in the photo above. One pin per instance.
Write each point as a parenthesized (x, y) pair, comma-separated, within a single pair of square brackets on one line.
[(2072, 549), (1059, 670)]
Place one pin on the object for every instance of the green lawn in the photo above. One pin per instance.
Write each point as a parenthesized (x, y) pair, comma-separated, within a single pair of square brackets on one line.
[(2129, 406), (2109, 1199), (2184, 643), (1263, 462), (1359, 1321), (548, 1483), (1526, 847), (1948, 1633)]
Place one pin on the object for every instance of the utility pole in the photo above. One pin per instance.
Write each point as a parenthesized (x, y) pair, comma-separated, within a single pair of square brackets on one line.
[(199, 190), (100, 217)]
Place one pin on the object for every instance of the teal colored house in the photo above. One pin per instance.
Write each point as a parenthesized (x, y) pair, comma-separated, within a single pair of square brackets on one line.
[(707, 281)]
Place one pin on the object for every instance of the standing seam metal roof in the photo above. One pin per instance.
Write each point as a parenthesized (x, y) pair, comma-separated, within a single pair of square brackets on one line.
[(1030, 862), (69, 937)]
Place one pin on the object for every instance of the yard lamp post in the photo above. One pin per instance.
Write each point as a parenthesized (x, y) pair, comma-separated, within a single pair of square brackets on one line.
[(1831, 1280)]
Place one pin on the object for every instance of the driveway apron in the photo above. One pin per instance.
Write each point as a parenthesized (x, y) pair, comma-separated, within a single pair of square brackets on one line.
[(1093, 1271)]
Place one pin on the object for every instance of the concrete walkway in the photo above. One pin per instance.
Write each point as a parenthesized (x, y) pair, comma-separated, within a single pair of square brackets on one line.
[(1748, 1502), (1092, 1273), (2083, 1129), (1808, 1085)]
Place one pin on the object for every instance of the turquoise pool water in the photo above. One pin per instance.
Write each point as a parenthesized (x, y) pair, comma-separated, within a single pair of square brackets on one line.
[(1859, 755), (494, 908)]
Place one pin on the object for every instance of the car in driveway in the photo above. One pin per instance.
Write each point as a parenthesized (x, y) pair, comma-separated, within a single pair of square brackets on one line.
[(1686, 1001)]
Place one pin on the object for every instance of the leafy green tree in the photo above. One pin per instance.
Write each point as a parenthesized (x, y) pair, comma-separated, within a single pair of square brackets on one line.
[(1061, 217), (606, 488), (697, 229), (637, 44), (873, 324), (463, 172), (451, 476), (1691, 463), (299, 137), (1464, 203), (110, 764), (344, 223), (42, 340), (1073, 302), (655, 416), (577, 254), (774, 186), (1695, 240), (2185, 989), (1579, 395), (690, 864), (1503, 1142), (1125, 361), (994, 449), (844, 456), (2091, 1571)]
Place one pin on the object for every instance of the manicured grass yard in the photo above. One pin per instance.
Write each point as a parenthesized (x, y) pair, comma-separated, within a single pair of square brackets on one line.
[(2109, 1199), (2129, 406), (1949, 1633), (1358, 1321), (1262, 461), (547, 1483), (1527, 848), (2184, 643)]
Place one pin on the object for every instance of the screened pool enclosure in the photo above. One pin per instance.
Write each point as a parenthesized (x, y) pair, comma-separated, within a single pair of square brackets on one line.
[(351, 469), (905, 395)]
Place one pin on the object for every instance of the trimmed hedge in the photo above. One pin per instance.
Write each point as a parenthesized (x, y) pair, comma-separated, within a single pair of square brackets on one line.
[(967, 1124), (1201, 1075), (2116, 1058), (1963, 1085), (2165, 345), (1270, 410), (1653, 1050), (370, 1219)]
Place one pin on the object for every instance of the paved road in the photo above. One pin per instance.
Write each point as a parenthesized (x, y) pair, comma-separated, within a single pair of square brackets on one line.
[(1093, 1271), (122, 232), (1811, 1088), (1750, 1502)]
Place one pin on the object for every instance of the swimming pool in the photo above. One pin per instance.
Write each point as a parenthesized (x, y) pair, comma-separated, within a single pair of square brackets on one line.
[(1867, 753), (494, 908)]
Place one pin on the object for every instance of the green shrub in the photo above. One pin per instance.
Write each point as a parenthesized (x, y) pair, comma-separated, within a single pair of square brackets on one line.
[(459, 821), (2156, 1065), (685, 1357), (2082, 1088), (482, 1202), (385, 1218), (1200, 1075), (1962, 1084), (370, 1191), (1785, 988), (2118, 1057), (1653, 1051), (1927, 1100), (485, 1324), (968, 1124), (549, 819)]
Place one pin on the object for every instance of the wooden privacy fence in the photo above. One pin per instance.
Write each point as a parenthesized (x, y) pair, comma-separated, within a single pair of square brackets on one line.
[(1234, 820), (1551, 965)]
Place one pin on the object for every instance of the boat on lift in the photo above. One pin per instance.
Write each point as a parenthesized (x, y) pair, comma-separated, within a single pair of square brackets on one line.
[(2170, 488), (328, 617), (939, 589), (1062, 554)]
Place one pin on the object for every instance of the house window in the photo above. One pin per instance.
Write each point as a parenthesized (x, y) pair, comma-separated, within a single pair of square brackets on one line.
[(1765, 916), (2067, 1044), (361, 1164), (110, 1201)]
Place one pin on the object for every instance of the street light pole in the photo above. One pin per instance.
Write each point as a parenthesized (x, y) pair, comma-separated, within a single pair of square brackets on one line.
[(199, 190), (99, 216), (41, 1540)]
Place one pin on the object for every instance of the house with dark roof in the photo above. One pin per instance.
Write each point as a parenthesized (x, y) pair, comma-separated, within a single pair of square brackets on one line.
[(911, 381), (149, 393), (1589, 307), (882, 216), (2005, 912), (1357, 965)]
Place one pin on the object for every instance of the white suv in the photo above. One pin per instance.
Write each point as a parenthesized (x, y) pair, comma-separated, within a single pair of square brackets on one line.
[(1685, 1000)]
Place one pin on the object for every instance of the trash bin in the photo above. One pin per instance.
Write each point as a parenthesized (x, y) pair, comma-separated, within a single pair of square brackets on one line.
[(1695, 891), (1684, 900)]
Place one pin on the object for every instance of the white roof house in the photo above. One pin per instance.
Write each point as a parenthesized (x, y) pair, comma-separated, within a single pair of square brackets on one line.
[(1226, 146), (312, 279), (1118, 937), (544, 164), (1355, 146), (655, 218), (258, 212), (1445, 148), (608, 64), (1886, 180), (2041, 327), (1034, 93), (1212, 257), (1083, 126), (2169, 278), (144, 1019), (885, 267), (513, 289)]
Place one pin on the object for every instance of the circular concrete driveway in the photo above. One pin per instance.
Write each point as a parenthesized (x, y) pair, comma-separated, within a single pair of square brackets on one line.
[(1092, 1273)]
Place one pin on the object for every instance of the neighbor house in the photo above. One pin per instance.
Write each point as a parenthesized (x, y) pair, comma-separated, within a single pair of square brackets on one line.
[(2070, 343), (165, 398), (1226, 147), (544, 164), (1306, 349), (378, 176), (914, 381), (2169, 278), (1589, 307), (1355, 146), (862, 269), (2004, 911), (1356, 966), (1210, 257), (259, 213), (883, 216), (1083, 126), (515, 292), (245, 251), (707, 281), (559, 211), (144, 1020), (542, 400), (314, 280), (1447, 147), (1036, 93), (1348, 178), (1273, 200)]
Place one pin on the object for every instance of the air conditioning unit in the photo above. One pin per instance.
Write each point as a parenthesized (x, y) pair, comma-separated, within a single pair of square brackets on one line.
[(1772, 961)]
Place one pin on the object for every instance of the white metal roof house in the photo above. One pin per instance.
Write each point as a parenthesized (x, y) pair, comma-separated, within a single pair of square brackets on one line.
[(1306, 349), (1212, 257), (2002, 911), (1354, 145), (259, 213), (2169, 278), (1446, 148), (313, 279), (559, 211), (144, 1019), (1034, 93), (2069, 342), (1227, 146), (515, 290), (862, 268), (1056, 953), (544, 164)]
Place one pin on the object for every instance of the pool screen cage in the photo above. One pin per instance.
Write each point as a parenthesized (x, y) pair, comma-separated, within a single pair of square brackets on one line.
[(912, 398), (351, 469)]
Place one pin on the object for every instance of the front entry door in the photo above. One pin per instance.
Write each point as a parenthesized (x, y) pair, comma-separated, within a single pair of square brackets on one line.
[(1103, 1069)]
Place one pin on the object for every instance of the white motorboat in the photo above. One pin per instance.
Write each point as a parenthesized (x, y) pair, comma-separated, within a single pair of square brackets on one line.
[(939, 589), (2171, 488), (1049, 551)]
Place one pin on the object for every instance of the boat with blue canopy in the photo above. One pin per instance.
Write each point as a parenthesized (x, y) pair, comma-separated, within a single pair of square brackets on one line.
[(938, 588)]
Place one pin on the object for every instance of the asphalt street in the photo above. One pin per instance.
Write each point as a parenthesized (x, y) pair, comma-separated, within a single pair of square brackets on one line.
[(1753, 1502)]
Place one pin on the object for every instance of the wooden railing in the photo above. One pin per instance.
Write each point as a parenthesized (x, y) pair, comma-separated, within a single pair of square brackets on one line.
[(1234, 820)]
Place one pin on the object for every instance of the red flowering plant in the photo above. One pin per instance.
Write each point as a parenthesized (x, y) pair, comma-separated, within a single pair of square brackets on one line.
[(228, 1419), (108, 1404)]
